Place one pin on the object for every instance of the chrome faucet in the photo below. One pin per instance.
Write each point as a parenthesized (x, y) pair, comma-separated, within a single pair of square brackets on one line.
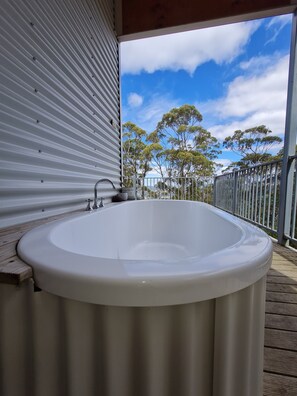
[(96, 206)]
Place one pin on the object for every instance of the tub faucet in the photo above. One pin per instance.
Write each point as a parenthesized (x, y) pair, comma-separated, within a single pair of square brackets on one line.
[(96, 206)]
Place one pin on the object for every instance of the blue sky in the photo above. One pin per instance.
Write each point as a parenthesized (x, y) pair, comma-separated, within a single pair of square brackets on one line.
[(236, 75)]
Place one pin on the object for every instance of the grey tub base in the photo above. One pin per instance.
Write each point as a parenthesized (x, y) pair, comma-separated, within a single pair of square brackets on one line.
[(55, 346)]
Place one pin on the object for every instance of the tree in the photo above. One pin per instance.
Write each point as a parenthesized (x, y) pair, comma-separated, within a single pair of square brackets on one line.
[(136, 157), (182, 146), (137, 152), (252, 145)]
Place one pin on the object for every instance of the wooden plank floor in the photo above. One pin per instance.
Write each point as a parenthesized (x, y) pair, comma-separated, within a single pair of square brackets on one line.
[(280, 352)]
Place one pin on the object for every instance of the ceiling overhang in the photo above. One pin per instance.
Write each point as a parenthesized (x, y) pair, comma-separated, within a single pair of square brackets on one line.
[(146, 18)]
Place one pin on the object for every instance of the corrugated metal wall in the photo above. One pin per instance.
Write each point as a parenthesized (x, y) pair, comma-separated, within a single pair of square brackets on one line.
[(59, 105)]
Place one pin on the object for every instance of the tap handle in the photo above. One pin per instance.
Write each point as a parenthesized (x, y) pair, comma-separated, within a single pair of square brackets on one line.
[(101, 203), (89, 206)]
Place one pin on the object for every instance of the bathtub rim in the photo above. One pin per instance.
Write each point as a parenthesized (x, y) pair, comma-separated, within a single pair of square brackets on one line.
[(193, 284)]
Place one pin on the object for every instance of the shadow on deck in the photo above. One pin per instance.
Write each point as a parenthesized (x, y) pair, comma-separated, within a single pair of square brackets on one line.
[(280, 352)]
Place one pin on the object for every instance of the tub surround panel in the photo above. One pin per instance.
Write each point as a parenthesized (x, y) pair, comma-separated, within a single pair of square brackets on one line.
[(59, 104), (56, 346), (239, 341)]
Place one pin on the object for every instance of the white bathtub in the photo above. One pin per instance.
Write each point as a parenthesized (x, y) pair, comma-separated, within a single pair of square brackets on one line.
[(154, 298), (147, 253)]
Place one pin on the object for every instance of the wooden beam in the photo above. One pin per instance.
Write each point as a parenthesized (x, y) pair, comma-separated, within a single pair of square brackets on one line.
[(154, 15)]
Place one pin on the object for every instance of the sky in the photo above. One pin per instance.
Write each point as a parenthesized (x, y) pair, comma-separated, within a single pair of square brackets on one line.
[(236, 75)]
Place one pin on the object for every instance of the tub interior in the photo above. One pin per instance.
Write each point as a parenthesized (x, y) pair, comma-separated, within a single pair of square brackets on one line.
[(148, 230)]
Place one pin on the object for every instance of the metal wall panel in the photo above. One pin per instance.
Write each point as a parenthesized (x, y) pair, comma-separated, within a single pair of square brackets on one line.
[(59, 105), (53, 346)]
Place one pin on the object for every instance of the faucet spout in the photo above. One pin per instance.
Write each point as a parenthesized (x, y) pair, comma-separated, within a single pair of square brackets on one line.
[(96, 206)]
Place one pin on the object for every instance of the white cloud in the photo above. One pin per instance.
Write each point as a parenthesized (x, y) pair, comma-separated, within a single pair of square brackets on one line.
[(155, 172), (187, 50), (135, 100), (275, 122), (224, 162), (276, 25), (280, 20), (251, 101), (257, 64), (149, 115)]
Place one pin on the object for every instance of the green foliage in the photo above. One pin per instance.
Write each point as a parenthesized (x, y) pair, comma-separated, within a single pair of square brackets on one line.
[(252, 145), (136, 153), (184, 148)]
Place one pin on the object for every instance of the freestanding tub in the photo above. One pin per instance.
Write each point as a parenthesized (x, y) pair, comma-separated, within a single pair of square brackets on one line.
[(171, 295)]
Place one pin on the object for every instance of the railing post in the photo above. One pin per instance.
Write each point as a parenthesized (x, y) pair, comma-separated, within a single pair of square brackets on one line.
[(134, 186), (214, 199), (287, 175), (234, 198)]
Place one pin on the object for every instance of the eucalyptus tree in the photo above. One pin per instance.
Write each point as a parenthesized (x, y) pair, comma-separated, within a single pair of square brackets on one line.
[(184, 147), (137, 153), (136, 157), (252, 145)]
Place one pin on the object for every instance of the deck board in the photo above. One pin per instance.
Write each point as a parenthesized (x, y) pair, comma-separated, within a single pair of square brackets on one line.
[(291, 272), (280, 361), (281, 308), (281, 280), (279, 385), (275, 338), (282, 288), (281, 297), (280, 351), (283, 322)]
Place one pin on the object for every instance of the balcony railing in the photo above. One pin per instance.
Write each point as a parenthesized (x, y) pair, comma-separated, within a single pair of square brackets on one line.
[(177, 188), (253, 194)]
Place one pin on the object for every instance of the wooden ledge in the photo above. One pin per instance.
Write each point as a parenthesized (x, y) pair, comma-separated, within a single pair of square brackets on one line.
[(13, 270)]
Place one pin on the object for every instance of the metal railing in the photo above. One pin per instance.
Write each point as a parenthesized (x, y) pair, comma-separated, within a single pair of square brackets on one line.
[(252, 194), (176, 188)]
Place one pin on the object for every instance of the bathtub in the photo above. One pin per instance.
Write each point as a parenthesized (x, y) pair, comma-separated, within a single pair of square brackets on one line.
[(147, 253), (154, 298)]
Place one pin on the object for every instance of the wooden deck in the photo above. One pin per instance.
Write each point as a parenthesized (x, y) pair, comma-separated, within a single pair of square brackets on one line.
[(280, 352)]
